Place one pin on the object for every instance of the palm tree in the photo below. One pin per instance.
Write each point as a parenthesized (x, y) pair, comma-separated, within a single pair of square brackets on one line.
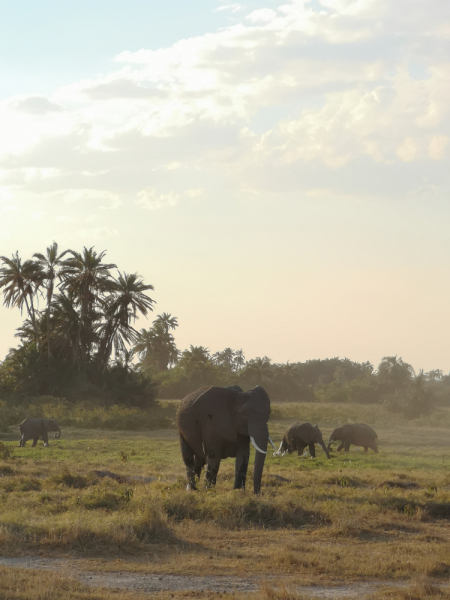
[(239, 359), (128, 298), (167, 321), (49, 265), (65, 327), (194, 359), (21, 282), (88, 281), (394, 372), (156, 347), (435, 375), (224, 358), (260, 369)]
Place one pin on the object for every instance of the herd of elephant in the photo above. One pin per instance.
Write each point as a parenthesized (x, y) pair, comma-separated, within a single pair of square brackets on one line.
[(216, 423)]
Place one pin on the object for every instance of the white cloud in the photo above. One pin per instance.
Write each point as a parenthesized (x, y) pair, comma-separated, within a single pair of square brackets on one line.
[(151, 200), (263, 15), (437, 146), (36, 105), (327, 82), (233, 8)]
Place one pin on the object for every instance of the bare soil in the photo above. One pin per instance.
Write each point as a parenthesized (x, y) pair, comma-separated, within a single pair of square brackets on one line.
[(158, 582)]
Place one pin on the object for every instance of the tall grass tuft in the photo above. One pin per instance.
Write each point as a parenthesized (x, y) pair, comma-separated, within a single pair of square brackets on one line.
[(236, 510)]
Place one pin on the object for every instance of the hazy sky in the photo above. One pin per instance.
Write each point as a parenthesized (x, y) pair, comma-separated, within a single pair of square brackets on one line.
[(278, 171)]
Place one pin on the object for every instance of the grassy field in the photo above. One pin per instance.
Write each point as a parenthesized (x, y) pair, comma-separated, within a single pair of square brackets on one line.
[(353, 518)]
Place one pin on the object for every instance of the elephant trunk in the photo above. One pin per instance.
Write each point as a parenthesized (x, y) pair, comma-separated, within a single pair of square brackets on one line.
[(58, 434), (260, 435), (325, 449)]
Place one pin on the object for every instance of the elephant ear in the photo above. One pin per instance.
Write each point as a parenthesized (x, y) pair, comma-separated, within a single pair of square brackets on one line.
[(216, 407)]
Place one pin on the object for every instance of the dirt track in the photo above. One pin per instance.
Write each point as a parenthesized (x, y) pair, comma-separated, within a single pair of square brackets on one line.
[(149, 583)]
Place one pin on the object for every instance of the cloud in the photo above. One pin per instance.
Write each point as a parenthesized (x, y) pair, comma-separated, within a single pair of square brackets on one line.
[(151, 200), (263, 15), (121, 88), (296, 97), (233, 8), (36, 105)]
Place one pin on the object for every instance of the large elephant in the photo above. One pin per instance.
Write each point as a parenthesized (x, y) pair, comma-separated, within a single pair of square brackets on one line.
[(358, 434), (300, 435), (33, 429), (215, 423)]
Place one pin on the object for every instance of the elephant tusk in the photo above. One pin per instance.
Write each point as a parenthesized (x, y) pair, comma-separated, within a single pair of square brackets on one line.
[(252, 439), (272, 444), (278, 452)]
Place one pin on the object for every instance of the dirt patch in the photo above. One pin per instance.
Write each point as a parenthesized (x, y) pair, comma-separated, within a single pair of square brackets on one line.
[(151, 583)]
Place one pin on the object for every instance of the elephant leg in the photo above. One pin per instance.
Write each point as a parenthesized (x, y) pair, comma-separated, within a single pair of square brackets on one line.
[(199, 463), (45, 438), (35, 439), (189, 461), (212, 468), (300, 450), (312, 450), (347, 445), (339, 448), (241, 465)]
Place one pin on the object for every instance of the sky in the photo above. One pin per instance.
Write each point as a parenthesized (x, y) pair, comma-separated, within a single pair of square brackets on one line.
[(279, 171)]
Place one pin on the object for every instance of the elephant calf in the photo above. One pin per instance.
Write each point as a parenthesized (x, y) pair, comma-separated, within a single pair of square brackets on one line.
[(358, 434), (33, 429), (300, 435)]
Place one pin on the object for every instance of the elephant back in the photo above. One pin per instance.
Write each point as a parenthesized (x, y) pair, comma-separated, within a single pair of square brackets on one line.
[(362, 434)]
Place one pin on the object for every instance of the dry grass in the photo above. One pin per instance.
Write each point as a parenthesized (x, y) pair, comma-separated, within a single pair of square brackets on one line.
[(25, 584), (355, 517), (420, 589)]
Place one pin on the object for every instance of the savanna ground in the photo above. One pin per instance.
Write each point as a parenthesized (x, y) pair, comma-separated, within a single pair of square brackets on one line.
[(355, 518)]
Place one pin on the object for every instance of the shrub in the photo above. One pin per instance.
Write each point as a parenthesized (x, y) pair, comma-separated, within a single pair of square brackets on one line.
[(6, 452)]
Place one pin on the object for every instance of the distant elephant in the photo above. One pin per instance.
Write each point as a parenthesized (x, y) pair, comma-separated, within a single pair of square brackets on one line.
[(358, 434), (298, 436), (215, 423), (33, 429)]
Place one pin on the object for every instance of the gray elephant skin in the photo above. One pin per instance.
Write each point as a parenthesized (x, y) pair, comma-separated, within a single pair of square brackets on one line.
[(358, 434), (300, 435), (216, 423), (33, 429)]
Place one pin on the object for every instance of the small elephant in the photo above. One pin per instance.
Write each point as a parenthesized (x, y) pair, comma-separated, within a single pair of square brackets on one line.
[(33, 429), (358, 434), (300, 435), (216, 423)]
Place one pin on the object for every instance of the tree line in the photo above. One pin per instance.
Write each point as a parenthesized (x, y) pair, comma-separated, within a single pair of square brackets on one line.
[(78, 340)]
